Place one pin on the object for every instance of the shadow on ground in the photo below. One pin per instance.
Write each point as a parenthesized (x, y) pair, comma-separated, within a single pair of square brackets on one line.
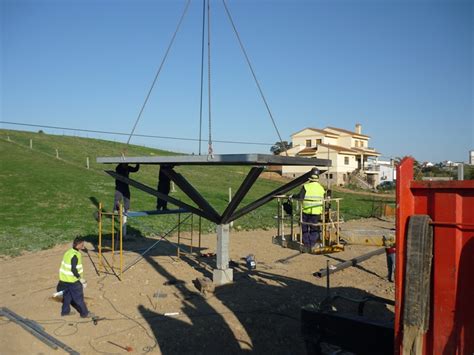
[(259, 312), (264, 309)]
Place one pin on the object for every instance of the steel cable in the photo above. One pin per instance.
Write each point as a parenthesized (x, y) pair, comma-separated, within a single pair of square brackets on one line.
[(159, 69), (202, 70), (253, 74), (209, 149)]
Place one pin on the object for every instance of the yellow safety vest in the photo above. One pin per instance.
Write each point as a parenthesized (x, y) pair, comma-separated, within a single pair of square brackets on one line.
[(65, 271), (313, 199)]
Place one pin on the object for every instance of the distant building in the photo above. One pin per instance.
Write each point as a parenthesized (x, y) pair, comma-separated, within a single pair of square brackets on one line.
[(449, 163), (348, 151), (471, 157)]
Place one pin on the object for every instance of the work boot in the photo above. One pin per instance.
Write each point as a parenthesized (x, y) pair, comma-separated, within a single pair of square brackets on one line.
[(71, 313), (89, 315)]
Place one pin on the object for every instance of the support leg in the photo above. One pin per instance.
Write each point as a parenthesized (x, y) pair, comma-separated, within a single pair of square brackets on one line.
[(222, 274)]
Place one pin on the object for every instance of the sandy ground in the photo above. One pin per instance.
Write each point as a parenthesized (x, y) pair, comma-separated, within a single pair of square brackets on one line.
[(259, 312)]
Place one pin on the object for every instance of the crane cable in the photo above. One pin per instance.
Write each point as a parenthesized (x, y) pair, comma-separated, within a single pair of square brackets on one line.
[(254, 76), (209, 149), (202, 70), (159, 70)]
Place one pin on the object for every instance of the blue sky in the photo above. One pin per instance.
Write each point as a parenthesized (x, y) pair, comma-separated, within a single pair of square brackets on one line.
[(403, 69)]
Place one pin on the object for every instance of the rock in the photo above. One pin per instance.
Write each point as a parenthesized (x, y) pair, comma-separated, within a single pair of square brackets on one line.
[(204, 285)]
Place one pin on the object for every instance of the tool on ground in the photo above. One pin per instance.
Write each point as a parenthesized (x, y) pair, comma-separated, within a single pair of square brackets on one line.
[(151, 302), (96, 319), (127, 348), (251, 262), (36, 330), (159, 294), (171, 314)]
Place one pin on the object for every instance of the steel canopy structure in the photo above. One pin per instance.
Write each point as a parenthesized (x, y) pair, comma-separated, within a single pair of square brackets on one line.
[(218, 159), (223, 273), (203, 207)]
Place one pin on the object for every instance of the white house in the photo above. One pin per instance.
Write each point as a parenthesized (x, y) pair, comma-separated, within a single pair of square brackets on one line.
[(347, 150)]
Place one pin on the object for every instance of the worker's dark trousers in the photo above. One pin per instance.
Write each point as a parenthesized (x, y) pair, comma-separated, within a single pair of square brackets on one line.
[(118, 197), (390, 266), (74, 296), (311, 234), (164, 188)]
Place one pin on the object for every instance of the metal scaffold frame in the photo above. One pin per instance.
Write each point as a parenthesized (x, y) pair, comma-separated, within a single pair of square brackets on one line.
[(330, 226), (122, 231), (112, 215)]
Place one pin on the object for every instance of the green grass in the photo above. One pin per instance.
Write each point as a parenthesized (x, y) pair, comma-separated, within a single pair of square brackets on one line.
[(46, 201)]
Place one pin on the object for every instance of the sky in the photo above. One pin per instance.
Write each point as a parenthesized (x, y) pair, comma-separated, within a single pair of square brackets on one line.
[(401, 68)]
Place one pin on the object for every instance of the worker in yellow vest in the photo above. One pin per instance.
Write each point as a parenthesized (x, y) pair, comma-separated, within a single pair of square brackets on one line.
[(71, 281), (312, 195)]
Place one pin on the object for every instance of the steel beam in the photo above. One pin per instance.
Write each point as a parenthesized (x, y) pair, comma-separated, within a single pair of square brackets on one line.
[(252, 176), (345, 264), (165, 197), (218, 159), (36, 331), (191, 192), (264, 199)]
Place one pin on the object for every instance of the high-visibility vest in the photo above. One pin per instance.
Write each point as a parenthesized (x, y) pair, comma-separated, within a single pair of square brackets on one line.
[(313, 199), (65, 271)]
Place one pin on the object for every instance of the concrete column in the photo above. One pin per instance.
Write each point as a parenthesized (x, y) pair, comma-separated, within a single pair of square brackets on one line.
[(461, 172), (222, 274)]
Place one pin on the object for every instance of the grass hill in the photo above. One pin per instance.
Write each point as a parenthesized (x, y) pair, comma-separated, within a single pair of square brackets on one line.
[(46, 200)]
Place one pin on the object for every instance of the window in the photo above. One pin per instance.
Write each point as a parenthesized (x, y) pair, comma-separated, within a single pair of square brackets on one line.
[(319, 141), (330, 176), (361, 143), (356, 143), (346, 160), (308, 143)]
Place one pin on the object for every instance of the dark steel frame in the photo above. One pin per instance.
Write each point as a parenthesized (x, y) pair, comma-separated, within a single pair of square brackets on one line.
[(204, 209)]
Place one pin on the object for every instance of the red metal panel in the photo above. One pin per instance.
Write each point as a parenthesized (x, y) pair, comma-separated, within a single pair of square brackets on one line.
[(405, 208), (451, 207)]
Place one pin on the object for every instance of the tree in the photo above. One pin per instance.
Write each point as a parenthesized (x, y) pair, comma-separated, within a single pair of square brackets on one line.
[(279, 147)]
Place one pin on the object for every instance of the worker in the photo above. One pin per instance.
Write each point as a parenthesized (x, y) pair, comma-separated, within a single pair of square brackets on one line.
[(122, 190), (71, 280), (390, 252), (312, 195), (164, 185)]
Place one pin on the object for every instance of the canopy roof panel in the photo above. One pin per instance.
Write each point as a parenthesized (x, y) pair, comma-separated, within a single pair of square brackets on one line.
[(222, 159)]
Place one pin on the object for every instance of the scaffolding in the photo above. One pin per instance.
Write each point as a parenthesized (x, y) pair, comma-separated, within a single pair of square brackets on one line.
[(290, 226), (122, 231), (112, 216)]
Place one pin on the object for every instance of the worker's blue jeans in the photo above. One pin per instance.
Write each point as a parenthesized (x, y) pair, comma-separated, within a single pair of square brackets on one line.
[(74, 296), (311, 234)]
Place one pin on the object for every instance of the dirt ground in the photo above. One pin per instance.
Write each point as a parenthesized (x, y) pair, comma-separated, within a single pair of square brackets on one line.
[(259, 312)]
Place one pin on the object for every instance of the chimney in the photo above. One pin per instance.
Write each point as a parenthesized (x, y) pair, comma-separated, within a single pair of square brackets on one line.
[(358, 128)]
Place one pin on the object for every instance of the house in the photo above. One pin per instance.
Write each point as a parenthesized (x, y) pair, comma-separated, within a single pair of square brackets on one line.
[(348, 151)]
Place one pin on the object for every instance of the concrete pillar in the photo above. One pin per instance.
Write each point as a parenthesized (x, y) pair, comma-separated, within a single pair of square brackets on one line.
[(461, 172), (222, 274)]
